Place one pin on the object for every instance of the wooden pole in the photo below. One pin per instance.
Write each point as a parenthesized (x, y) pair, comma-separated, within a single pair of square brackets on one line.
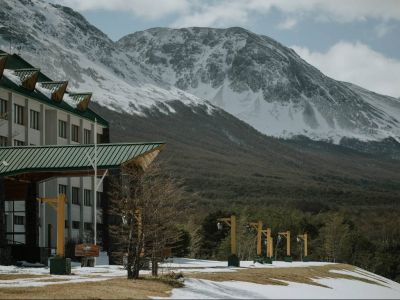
[(305, 245), (269, 243), (233, 235), (60, 225), (259, 238), (288, 243)]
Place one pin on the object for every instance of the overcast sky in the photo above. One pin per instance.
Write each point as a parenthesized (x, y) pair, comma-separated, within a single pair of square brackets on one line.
[(350, 40)]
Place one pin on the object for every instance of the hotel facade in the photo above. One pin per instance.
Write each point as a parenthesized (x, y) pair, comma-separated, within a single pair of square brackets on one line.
[(37, 111)]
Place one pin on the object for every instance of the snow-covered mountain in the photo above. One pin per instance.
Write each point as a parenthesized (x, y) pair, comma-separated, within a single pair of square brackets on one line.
[(263, 83), (66, 47), (250, 76)]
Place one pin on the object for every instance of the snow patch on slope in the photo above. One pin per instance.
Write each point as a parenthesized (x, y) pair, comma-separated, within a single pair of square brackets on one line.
[(66, 47)]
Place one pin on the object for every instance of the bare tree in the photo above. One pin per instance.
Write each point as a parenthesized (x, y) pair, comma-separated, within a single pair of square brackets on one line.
[(147, 205)]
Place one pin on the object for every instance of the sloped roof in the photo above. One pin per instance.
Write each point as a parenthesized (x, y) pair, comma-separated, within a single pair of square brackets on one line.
[(15, 62), (33, 159), (39, 96)]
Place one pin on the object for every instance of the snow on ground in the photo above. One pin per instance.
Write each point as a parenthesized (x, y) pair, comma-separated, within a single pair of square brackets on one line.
[(79, 274), (338, 289)]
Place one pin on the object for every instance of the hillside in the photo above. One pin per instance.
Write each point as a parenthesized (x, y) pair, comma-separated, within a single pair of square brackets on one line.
[(225, 160)]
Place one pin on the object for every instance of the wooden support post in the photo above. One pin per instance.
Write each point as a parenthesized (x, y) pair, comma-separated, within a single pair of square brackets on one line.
[(60, 225), (59, 205), (231, 222), (286, 234), (304, 237), (233, 235), (259, 238), (305, 245), (269, 243), (258, 226), (233, 259)]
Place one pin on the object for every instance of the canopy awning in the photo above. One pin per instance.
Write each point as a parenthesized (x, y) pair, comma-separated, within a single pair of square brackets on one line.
[(41, 162)]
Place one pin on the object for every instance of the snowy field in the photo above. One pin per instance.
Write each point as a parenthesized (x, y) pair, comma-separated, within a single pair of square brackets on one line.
[(369, 285)]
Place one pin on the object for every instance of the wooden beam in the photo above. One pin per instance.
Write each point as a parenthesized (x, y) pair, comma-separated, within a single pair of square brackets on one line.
[(84, 104), (30, 82), (59, 93)]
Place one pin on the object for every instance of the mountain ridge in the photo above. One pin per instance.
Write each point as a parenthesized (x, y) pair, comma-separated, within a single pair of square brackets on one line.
[(262, 82)]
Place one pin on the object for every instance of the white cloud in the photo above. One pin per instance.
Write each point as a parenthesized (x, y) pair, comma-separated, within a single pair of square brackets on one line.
[(151, 9), (383, 29), (232, 12), (220, 15), (358, 64), (287, 24)]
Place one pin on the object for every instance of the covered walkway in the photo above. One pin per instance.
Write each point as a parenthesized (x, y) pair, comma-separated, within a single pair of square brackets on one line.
[(23, 168)]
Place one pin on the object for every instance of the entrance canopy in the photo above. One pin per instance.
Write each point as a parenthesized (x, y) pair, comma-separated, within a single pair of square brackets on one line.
[(38, 163)]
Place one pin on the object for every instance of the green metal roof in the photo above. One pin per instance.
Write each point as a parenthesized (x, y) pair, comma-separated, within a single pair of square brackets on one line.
[(16, 62), (37, 95), (52, 85), (19, 160)]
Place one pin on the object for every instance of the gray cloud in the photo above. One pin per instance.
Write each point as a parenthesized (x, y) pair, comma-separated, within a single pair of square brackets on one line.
[(358, 64)]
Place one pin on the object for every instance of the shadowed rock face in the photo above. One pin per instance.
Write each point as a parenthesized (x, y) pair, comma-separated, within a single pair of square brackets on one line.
[(234, 68)]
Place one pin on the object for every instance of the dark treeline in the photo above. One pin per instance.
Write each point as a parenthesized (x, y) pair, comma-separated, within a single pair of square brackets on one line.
[(369, 239)]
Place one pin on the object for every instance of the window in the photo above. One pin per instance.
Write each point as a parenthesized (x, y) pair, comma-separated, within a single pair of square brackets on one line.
[(19, 143), (87, 226), (19, 220), (87, 199), (3, 141), (18, 114), (34, 119), (99, 199), (66, 224), (99, 138), (62, 129), (87, 137), (3, 109), (75, 224), (75, 133), (62, 189), (75, 195)]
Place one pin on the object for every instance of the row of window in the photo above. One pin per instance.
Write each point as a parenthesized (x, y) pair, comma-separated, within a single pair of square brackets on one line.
[(34, 122), (20, 220), (62, 132), (19, 114), (4, 142), (75, 195)]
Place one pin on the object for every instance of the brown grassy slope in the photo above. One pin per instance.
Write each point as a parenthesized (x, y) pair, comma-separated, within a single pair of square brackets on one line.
[(277, 276), (120, 288), (223, 159)]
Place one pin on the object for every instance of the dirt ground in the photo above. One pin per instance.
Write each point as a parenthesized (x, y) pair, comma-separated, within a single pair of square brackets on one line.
[(18, 276), (119, 288)]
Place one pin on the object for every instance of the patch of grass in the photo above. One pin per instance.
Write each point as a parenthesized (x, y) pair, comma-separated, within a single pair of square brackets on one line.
[(279, 276), (119, 288), (19, 276)]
